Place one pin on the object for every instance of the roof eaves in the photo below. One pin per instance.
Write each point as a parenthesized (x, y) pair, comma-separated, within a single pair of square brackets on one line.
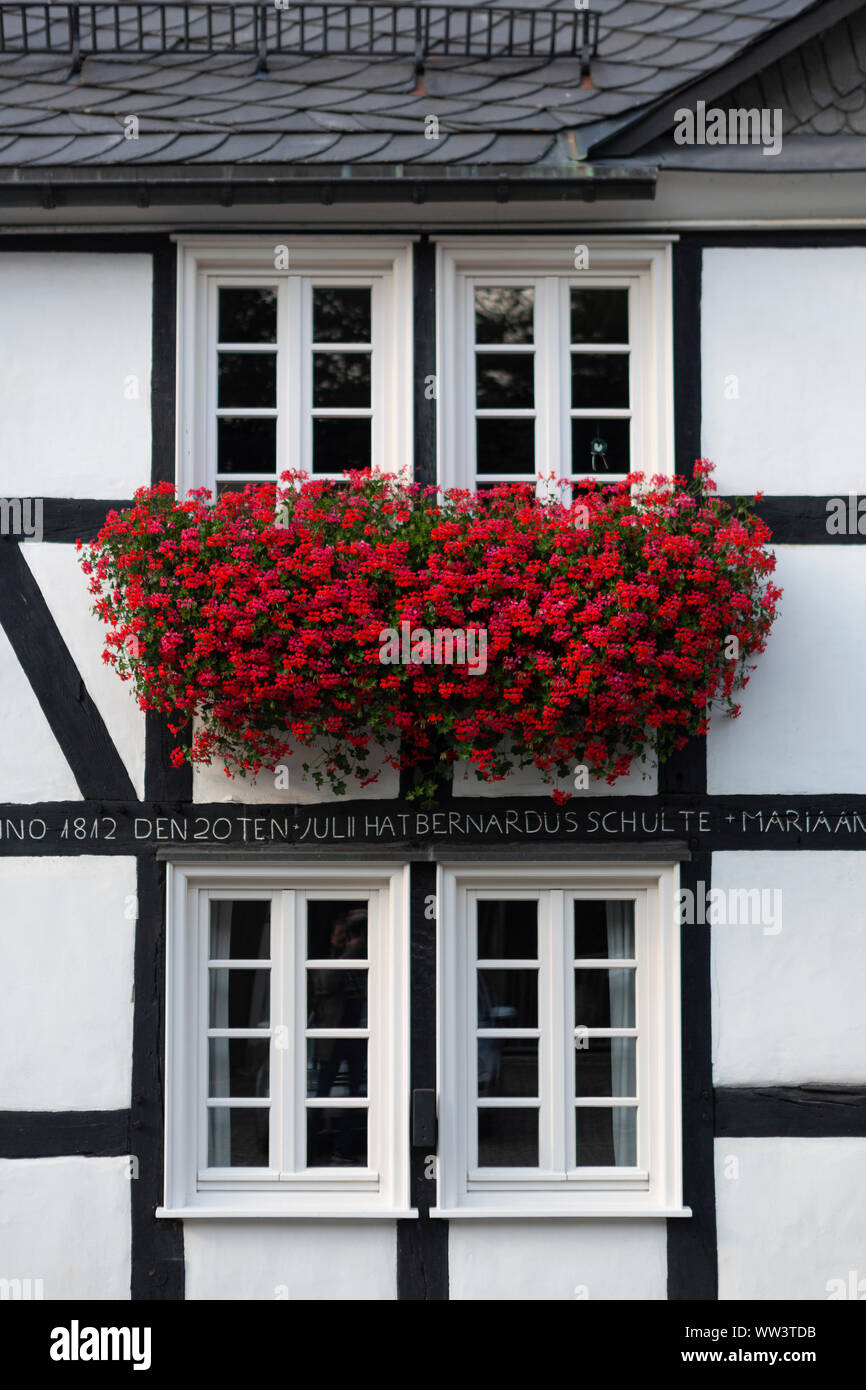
[(230, 184)]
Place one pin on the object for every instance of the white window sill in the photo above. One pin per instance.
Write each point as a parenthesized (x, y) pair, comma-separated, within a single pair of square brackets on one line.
[(241, 1213), (561, 1213)]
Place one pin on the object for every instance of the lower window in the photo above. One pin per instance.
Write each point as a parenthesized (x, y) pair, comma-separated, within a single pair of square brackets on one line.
[(287, 1041), (559, 1053)]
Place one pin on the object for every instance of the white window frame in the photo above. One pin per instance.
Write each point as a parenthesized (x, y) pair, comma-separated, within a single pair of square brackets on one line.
[(642, 265), (384, 264), (654, 1186), (381, 1190)]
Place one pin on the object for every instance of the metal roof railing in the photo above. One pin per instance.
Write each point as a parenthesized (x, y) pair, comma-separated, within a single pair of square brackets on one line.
[(300, 27)]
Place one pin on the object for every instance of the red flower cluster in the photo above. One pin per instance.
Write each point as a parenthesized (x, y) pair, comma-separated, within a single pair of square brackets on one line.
[(611, 624)]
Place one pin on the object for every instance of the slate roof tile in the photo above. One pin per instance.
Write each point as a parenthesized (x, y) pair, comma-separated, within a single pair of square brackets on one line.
[(214, 108), (145, 148)]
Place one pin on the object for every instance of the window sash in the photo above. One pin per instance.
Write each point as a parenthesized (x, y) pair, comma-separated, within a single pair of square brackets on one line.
[(381, 264), (556, 1033), (654, 1184), (642, 266), (284, 1184), (552, 352)]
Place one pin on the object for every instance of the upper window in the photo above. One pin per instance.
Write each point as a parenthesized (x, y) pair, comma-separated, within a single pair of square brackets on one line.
[(559, 1042), (287, 1042), (295, 355), (548, 369)]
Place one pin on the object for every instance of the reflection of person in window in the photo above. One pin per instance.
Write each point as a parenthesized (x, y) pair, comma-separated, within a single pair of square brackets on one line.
[(339, 1002)]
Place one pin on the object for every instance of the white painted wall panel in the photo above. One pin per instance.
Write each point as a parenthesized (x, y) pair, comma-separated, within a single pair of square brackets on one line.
[(802, 708), (790, 1216), (66, 1221), (32, 767), (642, 780), (75, 329), (788, 1004), (788, 324), (64, 586), (557, 1261), (66, 961), (211, 784), (328, 1261)]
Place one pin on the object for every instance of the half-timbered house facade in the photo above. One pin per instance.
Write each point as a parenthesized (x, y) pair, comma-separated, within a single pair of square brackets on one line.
[(261, 1041)]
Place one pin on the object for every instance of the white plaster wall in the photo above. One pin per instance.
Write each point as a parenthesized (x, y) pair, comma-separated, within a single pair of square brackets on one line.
[(798, 730), (66, 1221), (788, 1004), (642, 780), (74, 329), (65, 588), (212, 784), (557, 1261), (788, 324), (328, 1261), (32, 767), (66, 962), (790, 1216)]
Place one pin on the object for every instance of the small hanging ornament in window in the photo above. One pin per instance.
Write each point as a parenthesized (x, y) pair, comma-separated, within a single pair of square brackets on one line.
[(598, 452)]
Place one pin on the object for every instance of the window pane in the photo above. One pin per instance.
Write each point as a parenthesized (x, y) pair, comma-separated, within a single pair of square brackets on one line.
[(239, 998), (238, 1067), (505, 446), (337, 1138), (599, 379), (336, 998), (505, 380), (604, 998), (605, 1067), (606, 1138), (507, 1138), (503, 315), (246, 446), (237, 1138), (507, 998), (240, 930), (614, 433), (340, 444), (248, 316), (599, 316), (341, 378), (336, 929), (507, 930), (336, 1067), (341, 316), (603, 931), (247, 379), (507, 1067)]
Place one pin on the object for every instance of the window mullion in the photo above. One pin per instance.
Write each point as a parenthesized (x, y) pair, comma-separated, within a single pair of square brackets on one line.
[(468, 937), (555, 1027), (284, 414), (568, 1014), (299, 370), (285, 1039), (201, 926)]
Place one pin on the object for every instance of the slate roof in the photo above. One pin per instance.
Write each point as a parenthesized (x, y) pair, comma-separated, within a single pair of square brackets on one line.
[(821, 87), (199, 110)]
